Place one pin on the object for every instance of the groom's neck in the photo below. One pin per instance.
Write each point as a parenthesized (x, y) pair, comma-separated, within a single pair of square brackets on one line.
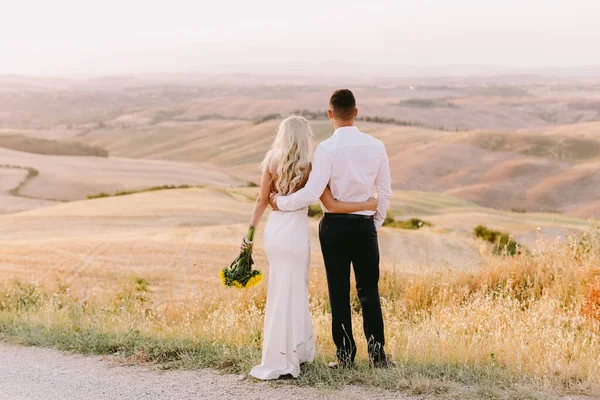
[(341, 124)]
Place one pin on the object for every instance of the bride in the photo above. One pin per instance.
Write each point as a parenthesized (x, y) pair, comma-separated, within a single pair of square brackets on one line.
[(288, 332)]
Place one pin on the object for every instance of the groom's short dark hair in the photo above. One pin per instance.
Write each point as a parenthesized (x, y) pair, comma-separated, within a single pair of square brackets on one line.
[(342, 104)]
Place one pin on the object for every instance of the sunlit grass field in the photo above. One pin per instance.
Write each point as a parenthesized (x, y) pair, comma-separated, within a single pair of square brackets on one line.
[(522, 327), (137, 276)]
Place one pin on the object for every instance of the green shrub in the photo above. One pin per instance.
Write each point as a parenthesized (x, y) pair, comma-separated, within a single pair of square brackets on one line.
[(315, 210), (502, 242), (413, 223), (389, 219), (98, 195)]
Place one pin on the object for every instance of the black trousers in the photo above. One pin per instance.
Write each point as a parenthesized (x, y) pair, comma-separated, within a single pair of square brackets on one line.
[(353, 241)]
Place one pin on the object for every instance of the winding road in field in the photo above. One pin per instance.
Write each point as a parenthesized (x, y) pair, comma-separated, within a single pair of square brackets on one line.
[(29, 373)]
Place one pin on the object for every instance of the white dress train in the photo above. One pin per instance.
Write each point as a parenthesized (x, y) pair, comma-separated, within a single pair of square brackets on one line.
[(288, 338)]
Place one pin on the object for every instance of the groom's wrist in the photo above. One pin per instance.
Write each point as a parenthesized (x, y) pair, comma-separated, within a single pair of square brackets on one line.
[(277, 204)]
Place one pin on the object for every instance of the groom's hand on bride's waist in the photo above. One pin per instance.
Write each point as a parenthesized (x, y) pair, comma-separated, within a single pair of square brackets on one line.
[(273, 201)]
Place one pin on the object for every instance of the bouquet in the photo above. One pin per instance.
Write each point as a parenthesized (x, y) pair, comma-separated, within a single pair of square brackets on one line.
[(240, 273)]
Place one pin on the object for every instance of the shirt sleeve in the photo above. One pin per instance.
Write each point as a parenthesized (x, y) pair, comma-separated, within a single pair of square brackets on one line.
[(315, 186), (383, 187)]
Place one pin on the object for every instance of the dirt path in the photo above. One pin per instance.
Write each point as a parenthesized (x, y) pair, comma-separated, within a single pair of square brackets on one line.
[(28, 373)]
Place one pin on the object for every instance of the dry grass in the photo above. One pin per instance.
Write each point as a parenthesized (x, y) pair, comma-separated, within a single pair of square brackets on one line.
[(524, 327), (160, 234)]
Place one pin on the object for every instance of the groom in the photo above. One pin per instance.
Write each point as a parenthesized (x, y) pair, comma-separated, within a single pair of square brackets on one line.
[(353, 164)]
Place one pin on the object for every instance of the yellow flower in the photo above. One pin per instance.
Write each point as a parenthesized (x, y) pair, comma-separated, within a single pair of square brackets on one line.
[(255, 280), (222, 276)]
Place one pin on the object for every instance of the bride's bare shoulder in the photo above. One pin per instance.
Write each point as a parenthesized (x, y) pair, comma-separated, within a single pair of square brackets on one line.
[(269, 164)]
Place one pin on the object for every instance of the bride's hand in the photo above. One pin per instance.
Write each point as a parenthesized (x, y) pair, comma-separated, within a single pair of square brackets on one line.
[(245, 243), (372, 204)]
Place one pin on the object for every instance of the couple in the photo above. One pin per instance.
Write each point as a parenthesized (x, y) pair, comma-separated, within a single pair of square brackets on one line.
[(345, 170)]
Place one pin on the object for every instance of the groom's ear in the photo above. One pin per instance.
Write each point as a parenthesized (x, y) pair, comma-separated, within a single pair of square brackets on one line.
[(356, 112), (330, 114)]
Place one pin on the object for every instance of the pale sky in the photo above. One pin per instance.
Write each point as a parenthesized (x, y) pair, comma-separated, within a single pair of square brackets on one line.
[(126, 36)]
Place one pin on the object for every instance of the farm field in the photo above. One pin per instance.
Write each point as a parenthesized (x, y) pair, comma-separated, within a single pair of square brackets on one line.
[(121, 198), (179, 239)]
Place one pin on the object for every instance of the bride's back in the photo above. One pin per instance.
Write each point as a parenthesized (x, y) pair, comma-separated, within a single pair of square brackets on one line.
[(305, 172)]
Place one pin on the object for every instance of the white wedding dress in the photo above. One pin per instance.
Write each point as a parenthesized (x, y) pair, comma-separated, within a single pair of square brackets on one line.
[(288, 338)]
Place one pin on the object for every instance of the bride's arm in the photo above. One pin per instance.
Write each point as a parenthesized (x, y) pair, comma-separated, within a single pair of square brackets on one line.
[(262, 201), (341, 207)]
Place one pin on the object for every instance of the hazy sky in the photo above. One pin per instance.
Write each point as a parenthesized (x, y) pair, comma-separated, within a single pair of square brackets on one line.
[(114, 36)]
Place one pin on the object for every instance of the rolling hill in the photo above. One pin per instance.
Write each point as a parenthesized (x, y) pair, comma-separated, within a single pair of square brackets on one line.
[(67, 178), (36, 145), (523, 143), (533, 170), (491, 103)]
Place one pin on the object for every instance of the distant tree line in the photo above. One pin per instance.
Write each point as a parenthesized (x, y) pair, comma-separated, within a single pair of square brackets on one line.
[(322, 115), (205, 117), (399, 122), (264, 118), (427, 103)]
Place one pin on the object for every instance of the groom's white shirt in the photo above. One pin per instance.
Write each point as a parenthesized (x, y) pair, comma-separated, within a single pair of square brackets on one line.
[(352, 163)]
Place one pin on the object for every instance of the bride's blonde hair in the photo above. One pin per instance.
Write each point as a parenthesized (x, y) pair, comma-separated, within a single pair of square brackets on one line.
[(290, 154)]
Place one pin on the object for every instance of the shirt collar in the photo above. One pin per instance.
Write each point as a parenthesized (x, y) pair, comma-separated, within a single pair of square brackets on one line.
[(344, 129)]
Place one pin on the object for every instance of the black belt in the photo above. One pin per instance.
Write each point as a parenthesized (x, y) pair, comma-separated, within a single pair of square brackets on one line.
[(348, 216)]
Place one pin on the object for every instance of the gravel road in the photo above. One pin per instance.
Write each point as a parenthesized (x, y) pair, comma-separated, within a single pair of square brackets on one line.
[(29, 373)]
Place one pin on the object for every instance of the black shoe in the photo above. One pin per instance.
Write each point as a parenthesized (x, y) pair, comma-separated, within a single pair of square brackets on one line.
[(383, 363), (380, 360)]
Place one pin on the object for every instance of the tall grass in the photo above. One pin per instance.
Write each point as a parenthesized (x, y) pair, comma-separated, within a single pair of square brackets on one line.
[(526, 326)]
